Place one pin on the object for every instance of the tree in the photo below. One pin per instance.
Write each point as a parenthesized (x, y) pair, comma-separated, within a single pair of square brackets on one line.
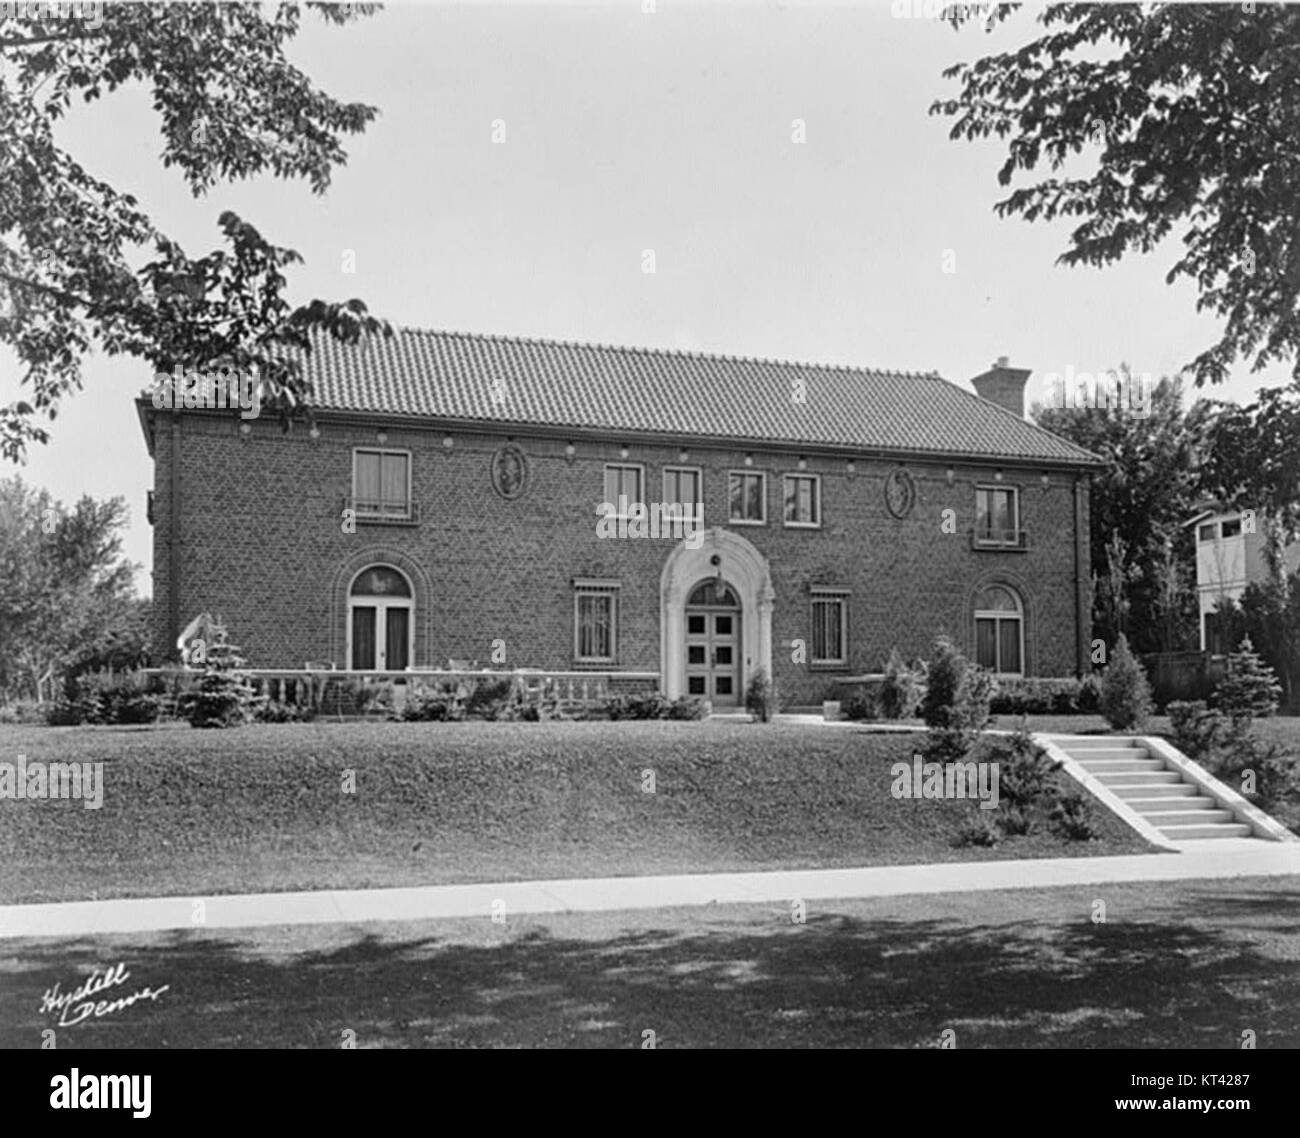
[(1252, 461), (1250, 688), (1140, 502), (1185, 120), (224, 696), (66, 594), (232, 106), (1125, 693), (1268, 614)]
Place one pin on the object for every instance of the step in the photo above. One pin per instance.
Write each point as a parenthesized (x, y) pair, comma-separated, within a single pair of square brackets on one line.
[(1162, 819), (1162, 805), (1112, 754), (1213, 830), (1137, 778), (1119, 766), (1099, 743), (1142, 791)]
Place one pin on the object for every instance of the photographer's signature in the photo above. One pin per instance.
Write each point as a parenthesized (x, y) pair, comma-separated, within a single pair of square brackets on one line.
[(81, 1004)]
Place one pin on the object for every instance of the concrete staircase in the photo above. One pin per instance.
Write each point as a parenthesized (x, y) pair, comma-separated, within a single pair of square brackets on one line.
[(1168, 801)]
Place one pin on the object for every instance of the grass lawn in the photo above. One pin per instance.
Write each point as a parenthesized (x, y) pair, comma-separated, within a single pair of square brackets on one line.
[(261, 808), (1175, 965)]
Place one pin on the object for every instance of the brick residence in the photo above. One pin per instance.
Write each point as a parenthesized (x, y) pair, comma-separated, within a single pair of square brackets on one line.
[(446, 507)]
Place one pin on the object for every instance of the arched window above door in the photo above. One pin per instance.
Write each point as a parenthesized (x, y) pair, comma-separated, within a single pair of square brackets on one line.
[(380, 581), (708, 593)]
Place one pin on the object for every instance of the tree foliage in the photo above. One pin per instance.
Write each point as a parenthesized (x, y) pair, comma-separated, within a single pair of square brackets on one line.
[(1181, 120), (1125, 694), (1140, 502), (1253, 458), (231, 106), (66, 594)]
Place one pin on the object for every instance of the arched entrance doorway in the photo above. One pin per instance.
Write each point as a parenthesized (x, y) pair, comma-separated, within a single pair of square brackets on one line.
[(713, 646), (725, 562), (380, 627)]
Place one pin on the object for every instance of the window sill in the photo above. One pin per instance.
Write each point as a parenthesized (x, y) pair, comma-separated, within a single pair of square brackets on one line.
[(746, 522), (802, 525), (366, 516), (1018, 544)]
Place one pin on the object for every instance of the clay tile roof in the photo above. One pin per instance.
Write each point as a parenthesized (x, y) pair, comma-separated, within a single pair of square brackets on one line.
[(674, 394)]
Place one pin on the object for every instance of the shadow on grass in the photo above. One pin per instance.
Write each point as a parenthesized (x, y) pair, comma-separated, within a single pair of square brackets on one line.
[(704, 980)]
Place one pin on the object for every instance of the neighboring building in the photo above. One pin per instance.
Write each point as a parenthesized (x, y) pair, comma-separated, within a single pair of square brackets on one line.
[(1229, 556), (846, 512)]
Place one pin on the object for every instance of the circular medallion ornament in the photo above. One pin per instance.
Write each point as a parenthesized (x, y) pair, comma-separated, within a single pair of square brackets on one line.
[(509, 472), (900, 493)]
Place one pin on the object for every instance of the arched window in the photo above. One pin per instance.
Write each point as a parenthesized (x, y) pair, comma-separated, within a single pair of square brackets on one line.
[(710, 593), (1000, 630), (379, 620)]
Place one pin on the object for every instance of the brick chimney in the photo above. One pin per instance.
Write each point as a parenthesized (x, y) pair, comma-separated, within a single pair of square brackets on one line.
[(1003, 385)]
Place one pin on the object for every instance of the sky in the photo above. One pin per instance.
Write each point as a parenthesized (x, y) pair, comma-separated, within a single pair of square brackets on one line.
[(777, 159)]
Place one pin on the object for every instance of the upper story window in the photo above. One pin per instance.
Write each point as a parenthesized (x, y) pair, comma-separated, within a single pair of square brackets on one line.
[(997, 516), (1207, 532), (381, 483), (747, 494), (683, 489), (803, 499), (1232, 528), (623, 486)]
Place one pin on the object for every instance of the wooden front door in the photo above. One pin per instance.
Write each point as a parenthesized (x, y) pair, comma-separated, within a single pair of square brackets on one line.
[(713, 644)]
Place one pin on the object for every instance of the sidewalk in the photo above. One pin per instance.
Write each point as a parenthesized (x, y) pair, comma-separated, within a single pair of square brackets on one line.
[(1223, 858)]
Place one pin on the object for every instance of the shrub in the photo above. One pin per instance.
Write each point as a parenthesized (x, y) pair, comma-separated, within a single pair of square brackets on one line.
[(1071, 816), (223, 696), (426, 704), (689, 707), (1272, 768), (978, 830), (22, 711), (1032, 791), (1014, 820), (650, 706), (1250, 688), (490, 699), (1196, 729), (275, 711), (760, 697), (1089, 698), (956, 703), (946, 684), (1125, 693), (1026, 773), (861, 705), (105, 697), (900, 693), (1032, 696)]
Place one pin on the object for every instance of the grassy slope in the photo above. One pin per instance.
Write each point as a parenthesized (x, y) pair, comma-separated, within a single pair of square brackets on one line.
[(260, 808), (1175, 964)]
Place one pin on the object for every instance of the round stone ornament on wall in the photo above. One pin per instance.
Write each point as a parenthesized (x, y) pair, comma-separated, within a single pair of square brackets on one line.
[(509, 472), (900, 493)]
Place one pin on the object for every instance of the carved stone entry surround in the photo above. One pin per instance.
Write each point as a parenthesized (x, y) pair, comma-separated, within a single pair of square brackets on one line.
[(743, 568)]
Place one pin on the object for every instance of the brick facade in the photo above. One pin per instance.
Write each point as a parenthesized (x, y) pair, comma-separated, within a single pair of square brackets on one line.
[(261, 542)]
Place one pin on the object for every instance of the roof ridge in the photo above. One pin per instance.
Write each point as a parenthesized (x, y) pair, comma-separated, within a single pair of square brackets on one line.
[(678, 353)]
